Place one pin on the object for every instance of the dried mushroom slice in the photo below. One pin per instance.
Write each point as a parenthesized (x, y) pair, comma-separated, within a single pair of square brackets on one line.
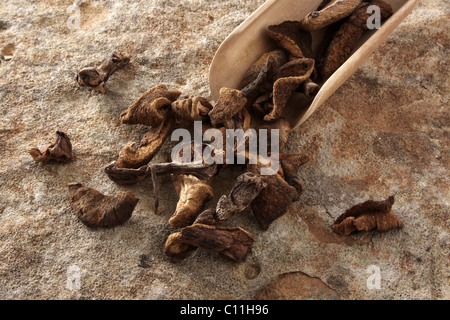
[(176, 249), (60, 150), (96, 210), (288, 78), (246, 188), (151, 108), (368, 216), (274, 200), (151, 143), (232, 243), (96, 77), (330, 14), (231, 101), (279, 58), (346, 37), (292, 38), (191, 109), (193, 194)]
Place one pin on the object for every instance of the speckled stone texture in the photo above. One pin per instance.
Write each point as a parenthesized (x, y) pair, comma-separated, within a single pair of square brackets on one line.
[(384, 132)]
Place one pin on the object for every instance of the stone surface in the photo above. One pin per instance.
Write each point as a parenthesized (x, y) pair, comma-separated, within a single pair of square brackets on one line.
[(384, 132)]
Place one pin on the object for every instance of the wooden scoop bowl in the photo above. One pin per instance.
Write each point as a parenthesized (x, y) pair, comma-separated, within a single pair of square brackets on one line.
[(249, 41)]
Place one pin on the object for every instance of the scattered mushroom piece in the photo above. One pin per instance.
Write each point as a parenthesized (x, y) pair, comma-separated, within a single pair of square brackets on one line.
[(96, 210), (96, 77), (329, 14), (231, 101), (247, 187), (60, 151), (232, 243), (191, 109), (152, 107), (367, 216), (151, 143), (193, 194), (274, 200), (176, 249)]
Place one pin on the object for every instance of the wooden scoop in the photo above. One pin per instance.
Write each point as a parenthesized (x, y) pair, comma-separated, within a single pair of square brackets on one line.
[(249, 41)]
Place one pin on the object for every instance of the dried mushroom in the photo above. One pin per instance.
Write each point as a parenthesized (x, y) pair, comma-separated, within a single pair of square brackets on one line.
[(289, 36), (126, 176), (231, 101), (151, 143), (232, 243), (96, 210), (247, 187), (331, 13), (278, 57), (193, 194), (288, 78), (345, 39), (192, 109), (60, 150), (367, 216), (96, 77), (176, 249), (274, 200), (151, 108)]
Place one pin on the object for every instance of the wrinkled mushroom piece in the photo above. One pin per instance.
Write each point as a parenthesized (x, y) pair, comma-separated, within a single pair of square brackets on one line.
[(96, 210), (246, 188), (232, 243), (346, 37), (151, 143), (368, 216), (96, 77), (287, 79), (330, 13), (274, 200), (289, 36), (60, 150), (279, 58), (152, 107), (230, 102), (191, 109), (176, 249), (193, 194)]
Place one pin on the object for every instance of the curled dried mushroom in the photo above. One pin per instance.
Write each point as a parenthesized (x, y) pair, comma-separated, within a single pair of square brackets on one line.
[(151, 108), (96, 77), (60, 150), (231, 101), (193, 194), (331, 13), (151, 143), (232, 243), (96, 210), (366, 216)]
